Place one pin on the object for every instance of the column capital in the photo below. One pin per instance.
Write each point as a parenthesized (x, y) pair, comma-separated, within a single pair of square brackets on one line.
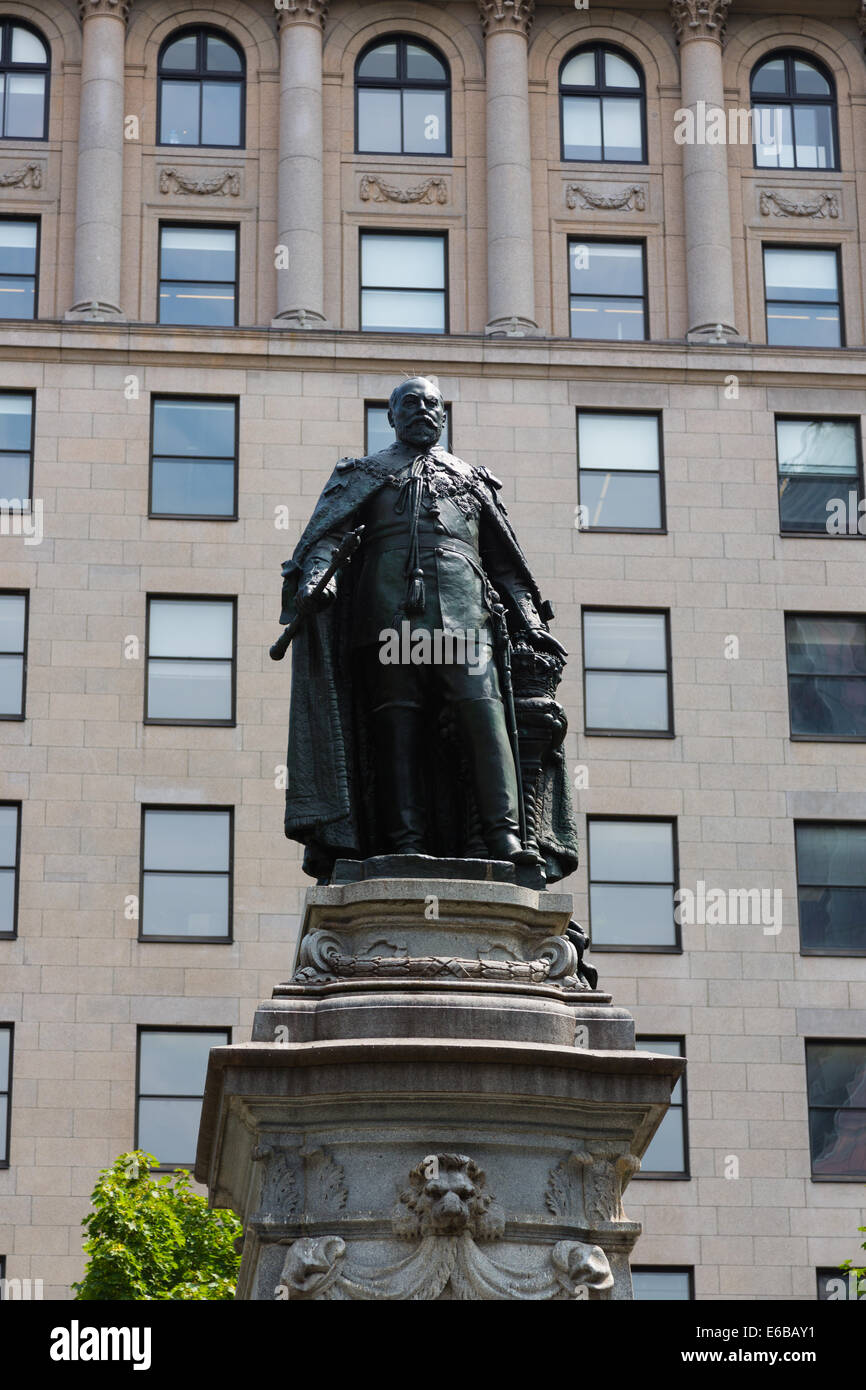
[(861, 18), (301, 12), (119, 8), (512, 16), (699, 19)]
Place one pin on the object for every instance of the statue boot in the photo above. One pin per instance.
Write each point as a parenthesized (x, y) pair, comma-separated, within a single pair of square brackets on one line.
[(402, 812), (482, 726)]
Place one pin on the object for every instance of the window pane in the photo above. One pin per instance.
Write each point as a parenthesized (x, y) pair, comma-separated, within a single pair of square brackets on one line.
[(196, 628), (179, 113), (175, 1064), (12, 611), (626, 702), (4, 1113), (7, 901), (410, 262), (802, 325), (5, 1035), (828, 708), (624, 501), (624, 641), (421, 66), (25, 106), (169, 1129), (618, 320), (185, 905), (836, 1073), (187, 840), (833, 919), (380, 434), (622, 129), (619, 73), (8, 835), (774, 138), (424, 124), (181, 488), (827, 646), (381, 61), (189, 689), (770, 77), (671, 1286), (814, 134), (632, 915), (579, 71), (838, 1142), (17, 298), (817, 446), (801, 275), (581, 127), (27, 48), (181, 54), (808, 81), (633, 438), (379, 121), (666, 1152), (809, 503), (196, 302), (220, 56), (198, 253), (401, 311), (832, 854), (194, 429), (221, 113), (631, 851), (606, 268), (17, 248)]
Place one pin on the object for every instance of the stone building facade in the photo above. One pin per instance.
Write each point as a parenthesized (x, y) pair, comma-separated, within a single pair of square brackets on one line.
[(764, 1009)]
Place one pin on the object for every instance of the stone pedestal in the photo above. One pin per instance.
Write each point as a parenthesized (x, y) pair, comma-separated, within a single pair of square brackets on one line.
[(437, 1106)]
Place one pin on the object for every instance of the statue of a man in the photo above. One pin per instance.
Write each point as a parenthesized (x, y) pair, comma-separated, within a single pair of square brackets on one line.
[(399, 741)]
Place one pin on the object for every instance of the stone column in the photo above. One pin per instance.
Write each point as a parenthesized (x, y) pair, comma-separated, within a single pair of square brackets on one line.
[(510, 261), (699, 26), (99, 201), (300, 210)]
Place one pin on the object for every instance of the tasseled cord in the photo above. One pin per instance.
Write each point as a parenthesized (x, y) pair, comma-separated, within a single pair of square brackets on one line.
[(416, 597)]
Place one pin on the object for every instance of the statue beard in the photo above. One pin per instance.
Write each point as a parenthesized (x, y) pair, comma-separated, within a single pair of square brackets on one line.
[(421, 435)]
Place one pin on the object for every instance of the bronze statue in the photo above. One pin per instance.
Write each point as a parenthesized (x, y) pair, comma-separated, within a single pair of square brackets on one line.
[(422, 713)]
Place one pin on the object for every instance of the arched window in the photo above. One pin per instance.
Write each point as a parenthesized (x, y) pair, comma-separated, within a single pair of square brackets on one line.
[(402, 99), (201, 90), (794, 101), (602, 106), (24, 68)]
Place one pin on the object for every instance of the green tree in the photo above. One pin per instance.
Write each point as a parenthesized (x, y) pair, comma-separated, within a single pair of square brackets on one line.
[(859, 1273), (152, 1238)]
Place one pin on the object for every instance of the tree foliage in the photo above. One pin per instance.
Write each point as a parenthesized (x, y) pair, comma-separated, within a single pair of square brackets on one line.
[(153, 1238), (859, 1273)]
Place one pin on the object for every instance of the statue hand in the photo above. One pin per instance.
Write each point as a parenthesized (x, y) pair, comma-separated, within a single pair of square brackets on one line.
[(544, 641), (306, 603)]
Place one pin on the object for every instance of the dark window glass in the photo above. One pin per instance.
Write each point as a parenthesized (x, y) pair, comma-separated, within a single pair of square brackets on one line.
[(836, 1081), (186, 874), (625, 656), (201, 91), (16, 447), (402, 92), (190, 661), (795, 114), (667, 1154), (172, 1066), (619, 471), (607, 296), (24, 68), (5, 1091), (602, 107), (839, 1285), (831, 880), (820, 482), (198, 275), (13, 629), (668, 1285), (379, 434), (827, 676), (10, 832), (402, 283), (18, 268), (194, 460), (803, 303), (632, 877)]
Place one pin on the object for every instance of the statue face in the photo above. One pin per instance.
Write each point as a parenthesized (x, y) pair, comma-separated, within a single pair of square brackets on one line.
[(418, 413)]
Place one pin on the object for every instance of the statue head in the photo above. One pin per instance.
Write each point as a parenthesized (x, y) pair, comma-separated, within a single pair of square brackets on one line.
[(416, 412)]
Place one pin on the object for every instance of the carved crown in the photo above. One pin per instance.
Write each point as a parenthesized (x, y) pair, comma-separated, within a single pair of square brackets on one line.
[(506, 14), (303, 11), (120, 8), (699, 19)]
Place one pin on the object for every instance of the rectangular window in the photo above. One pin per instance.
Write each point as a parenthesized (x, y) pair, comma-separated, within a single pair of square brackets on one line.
[(172, 1067), (820, 475), (803, 300), (831, 887), (632, 880), (16, 448), (827, 676), (839, 1285), (190, 661), (403, 283), (6, 1032), (13, 646), (19, 261), (198, 274), (378, 434), (836, 1083), (619, 471), (665, 1283), (194, 457), (626, 662), (10, 859), (668, 1153), (186, 874), (607, 289)]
